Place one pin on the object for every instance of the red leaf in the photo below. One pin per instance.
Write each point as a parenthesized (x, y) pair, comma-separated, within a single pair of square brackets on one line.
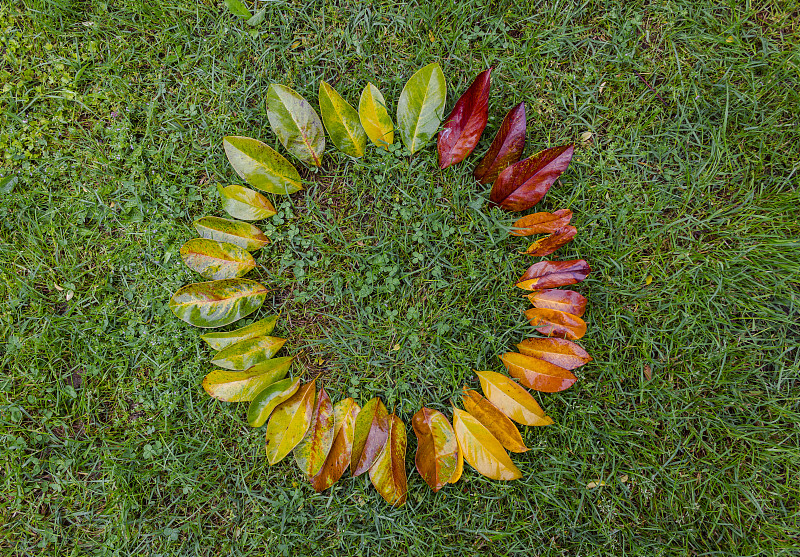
[(551, 274), (463, 128), (506, 148), (541, 223), (524, 184), (551, 243)]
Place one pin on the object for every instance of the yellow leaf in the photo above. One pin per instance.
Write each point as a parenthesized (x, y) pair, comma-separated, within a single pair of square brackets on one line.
[(513, 400), (481, 449)]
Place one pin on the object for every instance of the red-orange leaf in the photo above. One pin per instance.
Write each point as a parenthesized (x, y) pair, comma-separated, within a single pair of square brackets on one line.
[(563, 300), (551, 274), (506, 148), (388, 472), (551, 243), (437, 449), (556, 323), (371, 431), (524, 184), (463, 128), (558, 351), (541, 223), (345, 412), (537, 374), (493, 419)]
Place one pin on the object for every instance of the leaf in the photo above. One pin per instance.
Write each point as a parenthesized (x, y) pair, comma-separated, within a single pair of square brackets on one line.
[(522, 185), (375, 118), (242, 234), (261, 166), (371, 432), (244, 203), (562, 300), (265, 401), (243, 386), (437, 448), (289, 423), (388, 473), (311, 453), (218, 341), (247, 353), (459, 466), (512, 400), (558, 351), (344, 412), (541, 223), (296, 124), (506, 148), (258, 17), (481, 449), (216, 260), (536, 374), (238, 9), (464, 126), (551, 274), (217, 303), (342, 122), (421, 107), (551, 243), (556, 323), (494, 420)]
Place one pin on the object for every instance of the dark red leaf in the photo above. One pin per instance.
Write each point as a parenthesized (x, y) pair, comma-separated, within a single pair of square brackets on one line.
[(463, 128), (524, 184), (506, 148), (552, 274)]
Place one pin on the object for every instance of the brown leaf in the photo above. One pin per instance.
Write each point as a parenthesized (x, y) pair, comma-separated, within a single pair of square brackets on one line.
[(551, 274), (312, 452), (562, 300), (522, 185), (551, 243), (345, 412), (506, 148), (556, 323), (388, 472), (536, 374), (437, 449), (494, 420), (371, 431), (558, 351), (463, 127), (648, 372), (541, 223)]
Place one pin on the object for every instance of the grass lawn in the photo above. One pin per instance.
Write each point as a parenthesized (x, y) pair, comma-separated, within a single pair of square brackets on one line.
[(395, 279)]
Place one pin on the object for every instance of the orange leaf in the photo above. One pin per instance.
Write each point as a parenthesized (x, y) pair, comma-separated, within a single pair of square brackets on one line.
[(481, 449), (536, 374), (371, 432), (512, 400), (437, 449), (558, 351), (551, 243), (556, 323), (494, 420), (311, 453), (551, 274), (541, 223), (388, 472), (567, 301), (344, 412)]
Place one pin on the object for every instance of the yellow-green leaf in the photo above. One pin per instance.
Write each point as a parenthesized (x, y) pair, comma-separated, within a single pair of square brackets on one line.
[(244, 203), (217, 303), (388, 472), (421, 106), (494, 420), (289, 423), (341, 121), (268, 399), (247, 353), (243, 234), (296, 124), (311, 452), (437, 449), (344, 412), (243, 386), (216, 260), (375, 117), (261, 166), (372, 429), (260, 328), (512, 399), (481, 449)]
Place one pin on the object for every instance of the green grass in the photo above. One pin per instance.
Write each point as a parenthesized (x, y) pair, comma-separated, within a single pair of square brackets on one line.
[(395, 279)]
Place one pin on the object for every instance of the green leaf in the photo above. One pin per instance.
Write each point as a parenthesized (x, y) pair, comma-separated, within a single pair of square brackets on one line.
[(258, 18), (247, 353), (268, 399), (242, 234), (243, 386), (311, 452), (217, 303), (296, 124), (218, 341), (261, 166), (421, 107), (216, 260), (289, 423), (375, 118), (244, 203), (238, 9), (341, 121)]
